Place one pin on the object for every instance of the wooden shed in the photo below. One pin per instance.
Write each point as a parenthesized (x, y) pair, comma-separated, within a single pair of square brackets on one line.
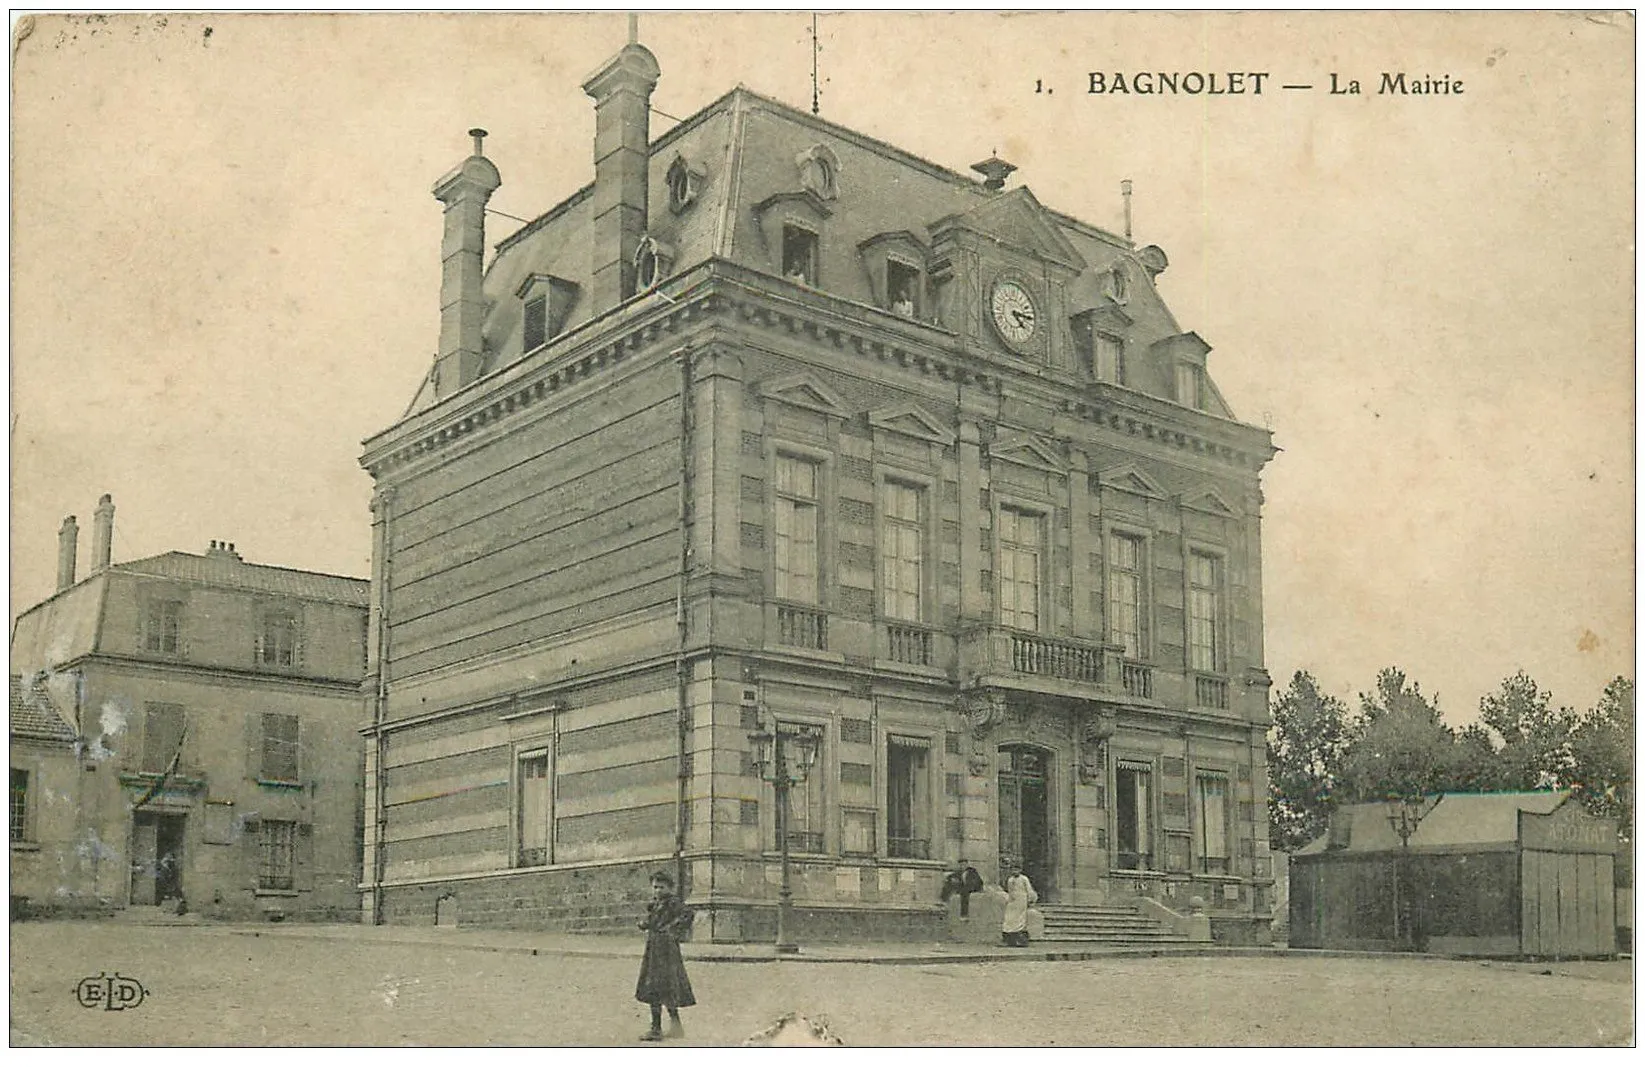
[(1482, 874)]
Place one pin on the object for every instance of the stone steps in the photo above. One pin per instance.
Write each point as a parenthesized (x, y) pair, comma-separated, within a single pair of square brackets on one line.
[(1106, 924)]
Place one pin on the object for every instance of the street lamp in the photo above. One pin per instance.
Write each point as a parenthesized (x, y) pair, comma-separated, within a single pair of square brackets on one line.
[(1404, 814), (783, 756)]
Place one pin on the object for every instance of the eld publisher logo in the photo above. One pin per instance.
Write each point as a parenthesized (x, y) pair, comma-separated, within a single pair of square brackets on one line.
[(110, 992)]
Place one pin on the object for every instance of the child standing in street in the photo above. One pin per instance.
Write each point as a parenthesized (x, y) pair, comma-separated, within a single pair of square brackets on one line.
[(663, 983)]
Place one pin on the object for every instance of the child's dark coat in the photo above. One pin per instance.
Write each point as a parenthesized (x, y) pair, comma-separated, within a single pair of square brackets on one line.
[(662, 972)]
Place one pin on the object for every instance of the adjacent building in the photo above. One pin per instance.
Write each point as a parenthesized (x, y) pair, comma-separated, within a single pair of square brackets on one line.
[(208, 748), (778, 423)]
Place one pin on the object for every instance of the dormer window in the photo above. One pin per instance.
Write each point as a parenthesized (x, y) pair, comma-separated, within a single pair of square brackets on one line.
[(536, 323), (799, 255), (1107, 358), (685, 182), (1099, 340), (1117, 285), (902, 286), (545, 305), (1190, 387)]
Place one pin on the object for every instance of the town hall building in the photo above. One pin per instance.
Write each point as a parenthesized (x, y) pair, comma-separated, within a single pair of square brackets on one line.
[(776, 424)]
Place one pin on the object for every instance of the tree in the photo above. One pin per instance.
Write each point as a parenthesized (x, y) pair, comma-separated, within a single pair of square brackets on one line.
[(1306, 745), (1401, 747), (1601, 768), (1535, 752)]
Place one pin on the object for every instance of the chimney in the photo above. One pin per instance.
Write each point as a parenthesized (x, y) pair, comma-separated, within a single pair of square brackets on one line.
[(223, 550), (1125, 194), (622, 157), (68, 544), (464, 192), (102, 534)]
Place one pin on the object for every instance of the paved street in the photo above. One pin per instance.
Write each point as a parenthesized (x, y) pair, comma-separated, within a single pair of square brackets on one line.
[(357, 986)]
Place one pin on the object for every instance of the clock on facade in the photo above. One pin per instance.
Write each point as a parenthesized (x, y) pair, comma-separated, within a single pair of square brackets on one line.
[(1013, 313)]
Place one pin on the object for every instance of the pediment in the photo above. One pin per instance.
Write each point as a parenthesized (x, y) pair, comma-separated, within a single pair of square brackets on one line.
[(1209, 501), (1131, 479), (1026, 450), (909, 421), (802, 202), (903, 241), (803, 391), (1017, 220)]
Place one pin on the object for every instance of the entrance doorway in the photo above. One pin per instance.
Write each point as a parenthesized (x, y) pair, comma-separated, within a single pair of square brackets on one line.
[(1025, 828), (157, 858)]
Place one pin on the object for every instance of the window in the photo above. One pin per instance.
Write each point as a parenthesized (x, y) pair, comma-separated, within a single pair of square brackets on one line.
[(536, 323), (1212, 815), (902, 547), (799, 255), (1205, 651), (163, 726), (533, 810), (902, 288), (277, 638), (1125, 618), (280, 737), (1108, 354), (279, 855), (795, 542), (857, 825), (1117, 285), (162, 626), (806, 811), (1188, 385), (907, 800), (19, 804), (1133, 813), (1020, 541)]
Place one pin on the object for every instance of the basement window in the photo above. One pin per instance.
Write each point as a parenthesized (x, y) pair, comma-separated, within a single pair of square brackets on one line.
[(799, 255)]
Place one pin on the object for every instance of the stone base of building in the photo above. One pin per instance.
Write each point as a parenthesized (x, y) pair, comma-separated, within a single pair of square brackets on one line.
[(757, 923), (1242, 930), (605, 899)]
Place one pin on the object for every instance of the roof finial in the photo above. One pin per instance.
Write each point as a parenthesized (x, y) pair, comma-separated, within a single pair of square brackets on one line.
[(816, 47), (633, 28)]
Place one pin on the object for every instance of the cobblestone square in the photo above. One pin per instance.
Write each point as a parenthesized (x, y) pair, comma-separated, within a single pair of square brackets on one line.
[(250, 986)]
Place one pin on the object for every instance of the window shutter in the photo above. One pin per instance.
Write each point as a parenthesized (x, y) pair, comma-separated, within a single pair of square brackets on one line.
[(298, 632), (303, 858), (254, 745), (257, 640)]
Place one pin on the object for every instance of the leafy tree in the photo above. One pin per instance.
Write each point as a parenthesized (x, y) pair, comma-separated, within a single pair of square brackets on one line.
[(1306, 745), (1535, 752), (1401, 747), (1601, 769)]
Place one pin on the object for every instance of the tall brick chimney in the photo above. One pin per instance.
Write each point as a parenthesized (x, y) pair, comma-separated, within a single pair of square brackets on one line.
[(464, 192), (68, 545), (102, 533), (622, 156)]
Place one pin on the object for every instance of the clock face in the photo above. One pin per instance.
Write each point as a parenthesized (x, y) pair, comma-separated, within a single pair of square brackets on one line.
[(1013, 312)]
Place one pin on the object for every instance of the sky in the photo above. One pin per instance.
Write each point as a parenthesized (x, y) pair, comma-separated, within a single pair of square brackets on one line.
[(225, 275)]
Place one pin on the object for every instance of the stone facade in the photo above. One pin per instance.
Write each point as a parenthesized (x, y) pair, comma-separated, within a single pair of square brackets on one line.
[(213, 710), (866, 446)]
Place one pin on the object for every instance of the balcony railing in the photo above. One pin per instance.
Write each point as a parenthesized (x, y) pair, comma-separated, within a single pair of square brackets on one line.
[(1137, 679), (909, 644), (802, 627), (805, 841), (998, 650), (908, 848), (1210, 692)]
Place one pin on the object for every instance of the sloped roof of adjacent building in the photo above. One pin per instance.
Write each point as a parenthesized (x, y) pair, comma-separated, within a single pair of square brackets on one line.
[(230, 572), (1451, 821), (34, 714)]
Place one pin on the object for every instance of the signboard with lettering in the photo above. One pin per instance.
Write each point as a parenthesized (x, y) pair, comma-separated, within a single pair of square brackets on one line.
[(1566, 829)]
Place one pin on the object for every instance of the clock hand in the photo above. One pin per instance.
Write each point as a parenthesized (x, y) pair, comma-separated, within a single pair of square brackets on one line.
[(1023, 318)]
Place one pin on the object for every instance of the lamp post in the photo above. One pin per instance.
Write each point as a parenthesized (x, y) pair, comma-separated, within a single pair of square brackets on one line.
[(783, 768), (1404, 815)]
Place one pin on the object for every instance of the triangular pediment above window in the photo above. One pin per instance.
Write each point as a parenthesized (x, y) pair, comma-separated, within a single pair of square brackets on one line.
[(1209, 501), (802, 204), (803, 391), (909, 421), (1131, 479), (1026, 450), (1017, 220)]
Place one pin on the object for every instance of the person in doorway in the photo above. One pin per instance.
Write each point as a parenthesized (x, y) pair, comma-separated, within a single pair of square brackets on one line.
[(663, 982), (962, 881), (1019, 893)]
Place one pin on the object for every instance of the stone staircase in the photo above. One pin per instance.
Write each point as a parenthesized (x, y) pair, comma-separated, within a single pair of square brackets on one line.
[(1110, 924)]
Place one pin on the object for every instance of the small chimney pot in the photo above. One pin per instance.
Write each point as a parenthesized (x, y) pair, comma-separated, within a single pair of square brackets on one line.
[(68, 546)]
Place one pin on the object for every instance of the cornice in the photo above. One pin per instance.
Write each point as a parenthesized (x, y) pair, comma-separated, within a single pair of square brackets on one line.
[(720, 291)]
